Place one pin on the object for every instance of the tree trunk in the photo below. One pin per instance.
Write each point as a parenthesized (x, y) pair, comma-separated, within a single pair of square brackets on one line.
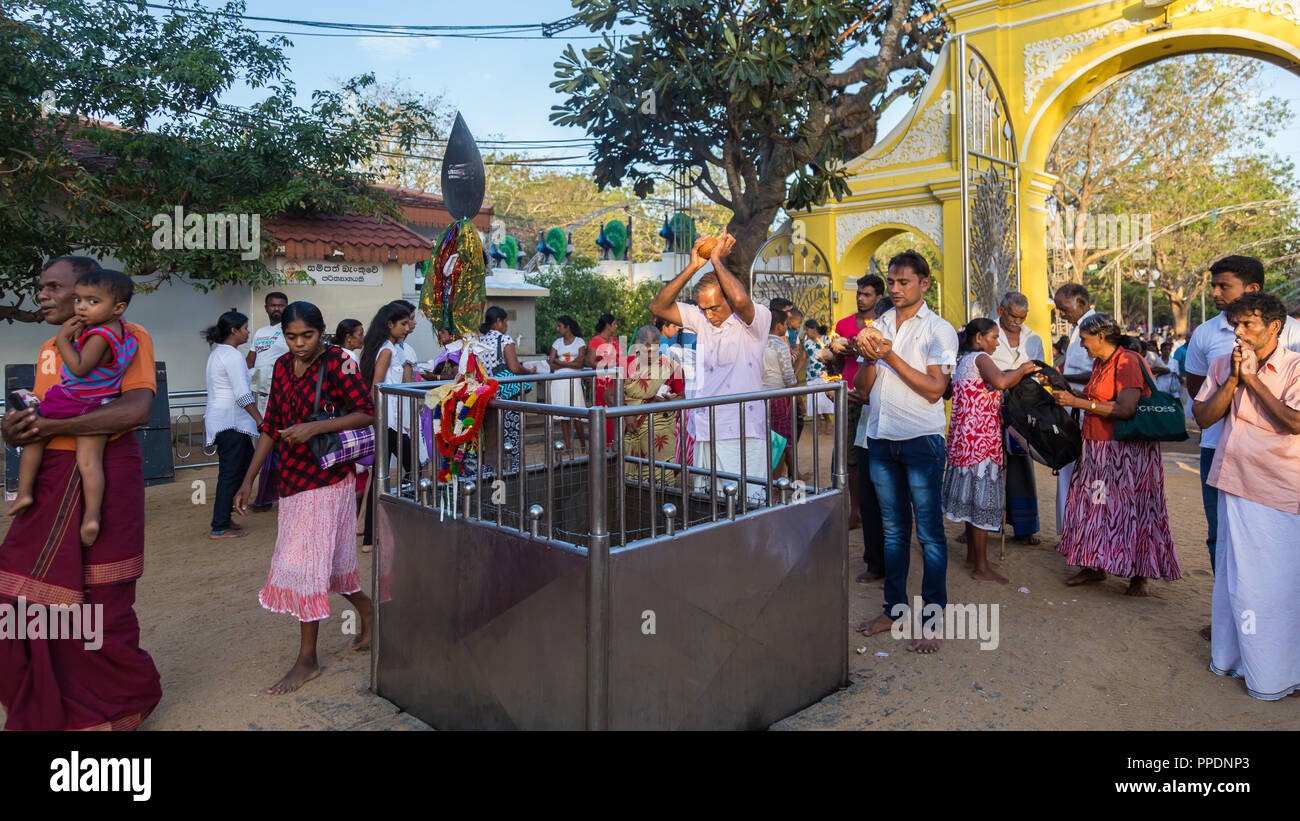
[(750, 236), (1180, 311)]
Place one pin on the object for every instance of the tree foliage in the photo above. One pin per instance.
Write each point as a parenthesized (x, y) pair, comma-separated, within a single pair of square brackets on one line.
[(762, 102), (1176, 139), (579, 290), (109, 115)]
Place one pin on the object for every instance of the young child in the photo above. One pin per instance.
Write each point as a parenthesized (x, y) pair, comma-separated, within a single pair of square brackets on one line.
[(814, 342), (96, 350), (972, 483)]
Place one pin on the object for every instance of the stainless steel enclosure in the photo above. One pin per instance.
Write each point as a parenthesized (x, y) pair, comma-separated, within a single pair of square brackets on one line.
[(547, 603)]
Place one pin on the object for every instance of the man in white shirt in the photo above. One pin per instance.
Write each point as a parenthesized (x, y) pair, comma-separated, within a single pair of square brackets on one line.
[(1016, 346), (1230, 277), (905, 376), (266, 346), (1073, 305), (731, 332)]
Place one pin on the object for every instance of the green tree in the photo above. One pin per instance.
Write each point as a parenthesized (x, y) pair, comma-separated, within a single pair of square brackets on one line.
[(108, 116), (762, 102), (580, 291), (1172, 141)]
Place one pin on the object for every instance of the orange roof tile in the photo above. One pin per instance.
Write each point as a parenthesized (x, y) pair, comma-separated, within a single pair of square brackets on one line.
[(359, 238)]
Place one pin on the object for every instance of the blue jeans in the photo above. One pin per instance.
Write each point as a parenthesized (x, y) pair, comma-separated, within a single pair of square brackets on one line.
[(1210, 501), (908, 477)]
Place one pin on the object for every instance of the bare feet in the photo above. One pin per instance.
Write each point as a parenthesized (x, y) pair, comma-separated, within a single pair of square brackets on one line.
[(1086, 576), (989, 575), (924, 646), (880, 624), (89, 532), (1205, 632), (298, 675), (20, 504), (366, 611), (970, 564), (867, 577), (961, 538), (1137, 587), (1030, 539), (365, 548)]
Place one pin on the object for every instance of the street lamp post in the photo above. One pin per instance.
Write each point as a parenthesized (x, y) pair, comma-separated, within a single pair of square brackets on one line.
[(1152, 276)]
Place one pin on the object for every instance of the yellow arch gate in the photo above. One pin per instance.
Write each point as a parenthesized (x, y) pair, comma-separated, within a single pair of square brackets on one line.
[(976, 184)]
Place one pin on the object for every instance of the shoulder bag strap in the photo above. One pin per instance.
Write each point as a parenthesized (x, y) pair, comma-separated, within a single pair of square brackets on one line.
[(320, 376)]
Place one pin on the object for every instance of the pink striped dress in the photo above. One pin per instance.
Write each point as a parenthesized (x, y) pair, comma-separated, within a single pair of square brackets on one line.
[(1115, 514)]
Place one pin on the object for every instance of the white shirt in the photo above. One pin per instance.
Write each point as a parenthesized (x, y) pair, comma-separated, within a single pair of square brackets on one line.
[(1008, 358), (1078, 362), (394, 374), (728, 360), (571, 350), (1216, 338), (778, 368), (228, 393), (896, 411), (268, 344)]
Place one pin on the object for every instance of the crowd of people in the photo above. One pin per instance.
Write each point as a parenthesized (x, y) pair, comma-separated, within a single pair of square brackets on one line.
[(911, 464)]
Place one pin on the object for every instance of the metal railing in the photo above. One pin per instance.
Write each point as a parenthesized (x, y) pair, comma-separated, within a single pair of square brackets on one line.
[(525, 495)]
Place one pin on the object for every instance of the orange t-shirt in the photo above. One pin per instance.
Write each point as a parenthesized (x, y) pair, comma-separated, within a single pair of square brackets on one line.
[(141, 373), (1123, 370)]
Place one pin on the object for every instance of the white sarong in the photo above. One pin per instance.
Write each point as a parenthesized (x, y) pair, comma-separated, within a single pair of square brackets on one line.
[(729, 462), (1256, 610), (1062, 491)]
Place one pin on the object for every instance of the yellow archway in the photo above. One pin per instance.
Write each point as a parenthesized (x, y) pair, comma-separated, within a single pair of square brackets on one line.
[(1018, 70)]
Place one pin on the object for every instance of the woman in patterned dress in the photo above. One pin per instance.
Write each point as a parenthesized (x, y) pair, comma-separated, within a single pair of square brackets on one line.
[(497, 347), (972, 484), (814, 341), (1115, 517), (315, 547), (651, 377)]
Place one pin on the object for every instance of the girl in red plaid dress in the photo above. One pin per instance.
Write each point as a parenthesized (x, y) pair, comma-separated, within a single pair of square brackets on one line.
[(315, 548)]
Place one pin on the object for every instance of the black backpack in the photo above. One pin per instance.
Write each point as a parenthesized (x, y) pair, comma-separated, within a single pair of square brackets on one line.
[(1038, 424)]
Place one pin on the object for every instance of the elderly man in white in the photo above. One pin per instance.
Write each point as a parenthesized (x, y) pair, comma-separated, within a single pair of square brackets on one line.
[(1073, 305), (1017, 345), (731, 331)]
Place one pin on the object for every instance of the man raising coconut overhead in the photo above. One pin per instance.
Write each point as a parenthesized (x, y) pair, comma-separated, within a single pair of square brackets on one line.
[(731, 331)]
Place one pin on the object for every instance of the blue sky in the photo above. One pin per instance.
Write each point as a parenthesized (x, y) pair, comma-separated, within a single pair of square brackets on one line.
[(500, 86)]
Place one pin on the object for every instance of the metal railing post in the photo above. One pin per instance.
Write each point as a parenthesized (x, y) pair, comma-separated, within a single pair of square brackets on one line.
[(597, 582)]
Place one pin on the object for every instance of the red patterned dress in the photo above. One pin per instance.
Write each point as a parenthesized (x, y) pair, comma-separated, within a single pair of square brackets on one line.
[(1115, 515), (972, 483)]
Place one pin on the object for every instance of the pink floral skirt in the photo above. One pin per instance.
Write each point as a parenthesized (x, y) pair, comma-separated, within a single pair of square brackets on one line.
[(1115, 515), (315, 552)]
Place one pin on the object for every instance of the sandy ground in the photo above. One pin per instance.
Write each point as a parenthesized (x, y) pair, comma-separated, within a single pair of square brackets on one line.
[(1068, 658)]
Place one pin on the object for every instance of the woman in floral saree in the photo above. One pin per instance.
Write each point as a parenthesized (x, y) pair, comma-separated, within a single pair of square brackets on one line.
[(653, 377)]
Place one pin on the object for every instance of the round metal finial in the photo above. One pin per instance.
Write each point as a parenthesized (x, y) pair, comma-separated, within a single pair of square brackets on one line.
[(783, 489), (559, 444), (729, 490), (670, 518), (466, 489), (508, 447), (426, 490), (535, 517)]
